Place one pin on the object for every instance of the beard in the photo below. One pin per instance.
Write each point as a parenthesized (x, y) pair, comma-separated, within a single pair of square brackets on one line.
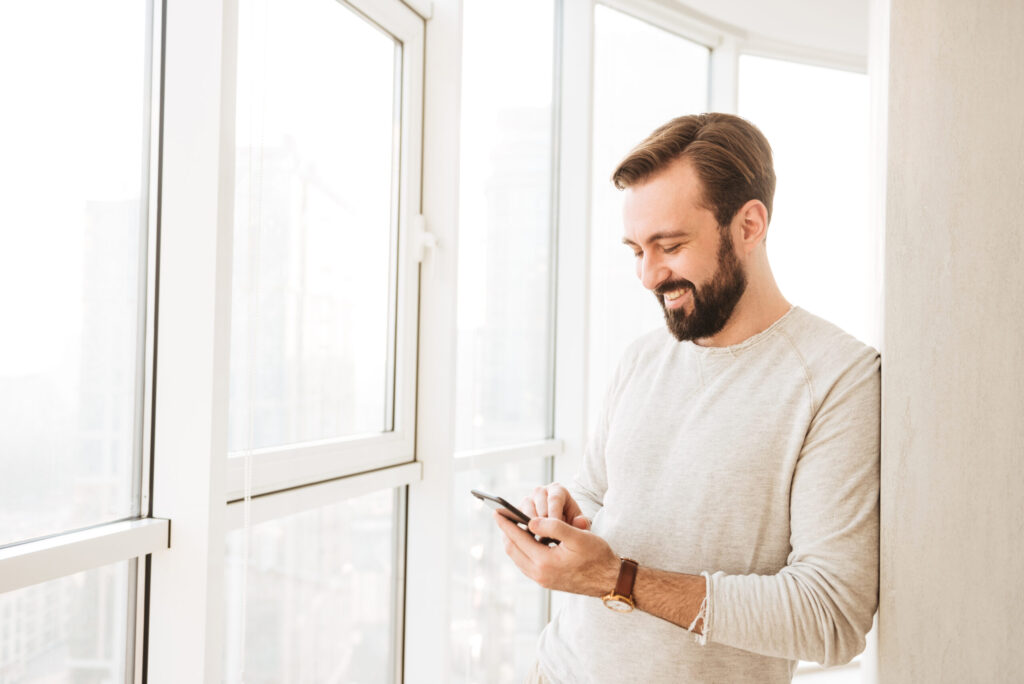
[(713, 302)]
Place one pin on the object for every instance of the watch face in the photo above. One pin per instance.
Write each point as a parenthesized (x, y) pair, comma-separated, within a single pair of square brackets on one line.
[(618, 605)]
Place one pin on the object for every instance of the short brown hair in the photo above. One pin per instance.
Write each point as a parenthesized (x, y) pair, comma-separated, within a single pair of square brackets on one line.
[(731, 156)]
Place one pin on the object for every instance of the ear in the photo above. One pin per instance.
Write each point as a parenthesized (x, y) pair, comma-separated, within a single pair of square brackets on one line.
[(750, 225)]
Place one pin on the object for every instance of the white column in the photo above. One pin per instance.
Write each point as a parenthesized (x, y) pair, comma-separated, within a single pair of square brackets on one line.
[(953, 366)]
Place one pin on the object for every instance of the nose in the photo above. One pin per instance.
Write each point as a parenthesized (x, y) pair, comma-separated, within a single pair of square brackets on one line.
[(651, 271)]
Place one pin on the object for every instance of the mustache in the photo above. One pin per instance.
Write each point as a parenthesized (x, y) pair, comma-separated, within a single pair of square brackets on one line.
[(674, 285)]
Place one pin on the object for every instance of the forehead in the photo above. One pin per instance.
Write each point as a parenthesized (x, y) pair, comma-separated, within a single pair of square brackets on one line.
[(670, 200)]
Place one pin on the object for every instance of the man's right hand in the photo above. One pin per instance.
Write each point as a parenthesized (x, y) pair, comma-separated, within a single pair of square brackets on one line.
[(555, 501)]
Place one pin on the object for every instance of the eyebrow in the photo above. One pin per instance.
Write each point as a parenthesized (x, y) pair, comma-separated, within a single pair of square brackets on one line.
[(659, 236)]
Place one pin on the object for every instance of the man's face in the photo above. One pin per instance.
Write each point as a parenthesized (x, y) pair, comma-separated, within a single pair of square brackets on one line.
[(682, 255)]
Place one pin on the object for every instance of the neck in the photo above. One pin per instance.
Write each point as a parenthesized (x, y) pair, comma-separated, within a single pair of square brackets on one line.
[(761, 305)]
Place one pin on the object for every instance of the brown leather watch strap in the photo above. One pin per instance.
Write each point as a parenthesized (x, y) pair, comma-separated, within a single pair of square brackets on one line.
[(627, 577)]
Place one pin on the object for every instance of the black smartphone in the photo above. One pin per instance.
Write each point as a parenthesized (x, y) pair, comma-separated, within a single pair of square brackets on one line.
[(510, 512)]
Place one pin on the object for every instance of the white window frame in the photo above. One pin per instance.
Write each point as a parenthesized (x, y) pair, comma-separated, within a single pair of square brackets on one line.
[(195, 483), (282, 467), (429, 540)]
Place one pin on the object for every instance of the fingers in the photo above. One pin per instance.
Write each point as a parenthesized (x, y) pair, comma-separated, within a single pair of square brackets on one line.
[(552, 501), (510, 528), (556, 529), (540, 502), (524, 542), (581, 522), (522, 561), (556, 502), (527, 506)]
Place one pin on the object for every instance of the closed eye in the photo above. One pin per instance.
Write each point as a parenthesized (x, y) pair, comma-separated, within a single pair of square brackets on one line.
[(671, 250)]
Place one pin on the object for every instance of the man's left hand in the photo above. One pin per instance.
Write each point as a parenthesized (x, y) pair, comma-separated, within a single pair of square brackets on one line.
[(583, 563)]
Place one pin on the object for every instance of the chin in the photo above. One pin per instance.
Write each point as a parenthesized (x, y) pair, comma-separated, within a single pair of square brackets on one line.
[(690, 327)]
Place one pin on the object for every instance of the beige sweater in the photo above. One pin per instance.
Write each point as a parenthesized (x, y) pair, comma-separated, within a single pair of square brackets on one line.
[(755, 465)]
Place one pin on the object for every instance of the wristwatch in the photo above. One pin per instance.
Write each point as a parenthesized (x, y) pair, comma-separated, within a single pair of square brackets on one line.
[(620, 599)]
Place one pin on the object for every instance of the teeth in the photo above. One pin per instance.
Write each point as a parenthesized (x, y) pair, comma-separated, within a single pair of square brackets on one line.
[(672, 296)]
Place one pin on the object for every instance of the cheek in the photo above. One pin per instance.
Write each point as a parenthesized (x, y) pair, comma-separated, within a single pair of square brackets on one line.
[(694, 268), (683, 267)]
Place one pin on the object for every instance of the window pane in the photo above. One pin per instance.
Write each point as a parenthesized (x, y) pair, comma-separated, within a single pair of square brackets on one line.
[(497, 613), (821, 245), (72, 629), (643, 76), (73, 207), (504, 367), (319, 599), (314, 275)]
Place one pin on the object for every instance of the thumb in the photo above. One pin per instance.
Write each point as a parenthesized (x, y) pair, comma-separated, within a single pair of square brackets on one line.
[(554, 528)]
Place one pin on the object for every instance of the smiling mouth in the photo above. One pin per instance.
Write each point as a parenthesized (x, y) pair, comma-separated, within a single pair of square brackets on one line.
[(675, 294)]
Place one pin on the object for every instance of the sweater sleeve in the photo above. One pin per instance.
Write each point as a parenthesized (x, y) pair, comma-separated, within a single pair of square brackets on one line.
[(819, 607)]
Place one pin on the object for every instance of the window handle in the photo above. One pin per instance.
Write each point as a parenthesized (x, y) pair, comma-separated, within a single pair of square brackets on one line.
[(423, 239)]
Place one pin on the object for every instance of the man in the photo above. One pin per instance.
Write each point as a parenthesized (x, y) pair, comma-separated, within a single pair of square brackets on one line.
[(729, 491)]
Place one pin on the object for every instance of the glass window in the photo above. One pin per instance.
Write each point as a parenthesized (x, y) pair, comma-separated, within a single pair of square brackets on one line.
[(315, 271), (497, 613), (73, 222), (72, 629), (643, 76), (317, 600), (504, 301), (822, 250)]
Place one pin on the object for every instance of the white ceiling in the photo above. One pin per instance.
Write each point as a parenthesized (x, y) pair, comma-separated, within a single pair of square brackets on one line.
[(829, 25)]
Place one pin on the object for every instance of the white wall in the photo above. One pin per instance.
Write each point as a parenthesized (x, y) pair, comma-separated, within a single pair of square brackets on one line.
[(952, 602)]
